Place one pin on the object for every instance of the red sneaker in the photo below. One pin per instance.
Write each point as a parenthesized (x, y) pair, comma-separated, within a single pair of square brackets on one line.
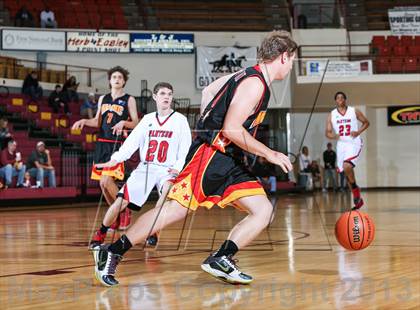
[(356, 193), (125, 219), (98, 239)]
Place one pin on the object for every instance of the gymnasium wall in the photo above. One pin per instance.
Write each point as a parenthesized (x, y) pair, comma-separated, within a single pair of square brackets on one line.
[(390, 157)]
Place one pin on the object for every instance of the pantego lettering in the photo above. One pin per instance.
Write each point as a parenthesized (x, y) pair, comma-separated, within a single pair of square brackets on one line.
[(160, 133)]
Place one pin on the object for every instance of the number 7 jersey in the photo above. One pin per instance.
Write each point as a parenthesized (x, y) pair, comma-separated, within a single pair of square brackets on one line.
[(163, 141), (344, 124)]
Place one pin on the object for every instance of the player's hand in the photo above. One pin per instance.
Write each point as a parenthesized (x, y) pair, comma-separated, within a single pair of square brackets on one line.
[(108, 164), (78, 125), (118, 128), (354, 134), (173, 171), (281, 160)]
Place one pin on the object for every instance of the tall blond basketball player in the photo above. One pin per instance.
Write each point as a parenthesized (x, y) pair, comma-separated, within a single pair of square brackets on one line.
[(343, 126)]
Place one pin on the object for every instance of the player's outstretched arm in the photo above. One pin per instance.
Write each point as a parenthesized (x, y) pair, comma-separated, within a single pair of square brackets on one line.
[(93, 122), (243, 104), (134, 142), (365, 123)]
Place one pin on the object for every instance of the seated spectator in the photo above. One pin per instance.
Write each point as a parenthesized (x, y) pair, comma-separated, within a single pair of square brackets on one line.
[(305, 175), (40, 165), (56, 102), (316, 173), (27, 182), (330, 171), (11, 165), (24, 18), (5, 135), (304, 160), (89, 107), (265, 173), (70, 89), (48, 19), (31, 86)]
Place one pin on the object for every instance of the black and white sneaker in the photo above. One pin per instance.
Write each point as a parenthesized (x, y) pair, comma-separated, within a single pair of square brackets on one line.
[(225, 269), (152, 240), (105, 265)]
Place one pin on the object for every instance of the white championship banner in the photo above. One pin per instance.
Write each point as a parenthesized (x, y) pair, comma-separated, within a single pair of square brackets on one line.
[(33, 40), (214, 62), (405, 20), (339, 68), (98, 42)]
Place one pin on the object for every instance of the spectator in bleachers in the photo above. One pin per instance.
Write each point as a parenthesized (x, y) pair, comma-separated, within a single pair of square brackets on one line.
[(70, 89), (39, 165), (304, 160), (316, 173), (27, 182), (48, 19), (11, 165), (89, 107), (265, 173), (56, 101), (330, 172), (24, 18), (31, 86), (5, 135)]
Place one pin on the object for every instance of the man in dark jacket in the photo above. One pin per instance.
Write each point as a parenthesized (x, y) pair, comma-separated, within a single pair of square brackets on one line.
[(31, 86)]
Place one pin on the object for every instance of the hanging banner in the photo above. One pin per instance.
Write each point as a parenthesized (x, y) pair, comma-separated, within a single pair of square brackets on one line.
[(33, 40), (339, 68), (214, 62), (404, 115), (98, 42), (405, 20), (165, 43)]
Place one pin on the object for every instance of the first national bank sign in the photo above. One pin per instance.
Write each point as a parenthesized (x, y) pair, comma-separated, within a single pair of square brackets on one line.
[(98, 42)]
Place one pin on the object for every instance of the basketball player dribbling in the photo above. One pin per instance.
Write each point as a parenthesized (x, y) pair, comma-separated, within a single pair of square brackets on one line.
[(232, 108), (116, 111), (162, 139), (342, 125)]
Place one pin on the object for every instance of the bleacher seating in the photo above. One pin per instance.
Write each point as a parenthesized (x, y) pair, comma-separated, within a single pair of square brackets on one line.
[(395, 54), (216, 15), (42, 116), (10, 68), (94, 14)]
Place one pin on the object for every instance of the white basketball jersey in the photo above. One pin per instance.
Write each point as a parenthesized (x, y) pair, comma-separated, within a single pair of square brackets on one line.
[(163, 137), (344, 124), (163, 141)]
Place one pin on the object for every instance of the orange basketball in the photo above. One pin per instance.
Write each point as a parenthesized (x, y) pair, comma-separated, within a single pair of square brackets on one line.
[(354, 230)]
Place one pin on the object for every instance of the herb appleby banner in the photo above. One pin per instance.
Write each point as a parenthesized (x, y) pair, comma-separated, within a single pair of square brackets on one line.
[(98, 42)]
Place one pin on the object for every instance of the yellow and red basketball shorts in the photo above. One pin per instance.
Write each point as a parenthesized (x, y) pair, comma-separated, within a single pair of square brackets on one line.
[(211, 177)]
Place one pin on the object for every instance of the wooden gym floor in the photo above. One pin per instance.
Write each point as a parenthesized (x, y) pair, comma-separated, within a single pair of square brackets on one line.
[(297, 263)]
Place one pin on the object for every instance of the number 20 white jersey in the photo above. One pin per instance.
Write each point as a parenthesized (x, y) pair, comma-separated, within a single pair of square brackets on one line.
[(163, 141)]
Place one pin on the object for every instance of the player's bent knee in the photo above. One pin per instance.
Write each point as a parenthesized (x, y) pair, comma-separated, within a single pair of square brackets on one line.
[(175, 209)]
